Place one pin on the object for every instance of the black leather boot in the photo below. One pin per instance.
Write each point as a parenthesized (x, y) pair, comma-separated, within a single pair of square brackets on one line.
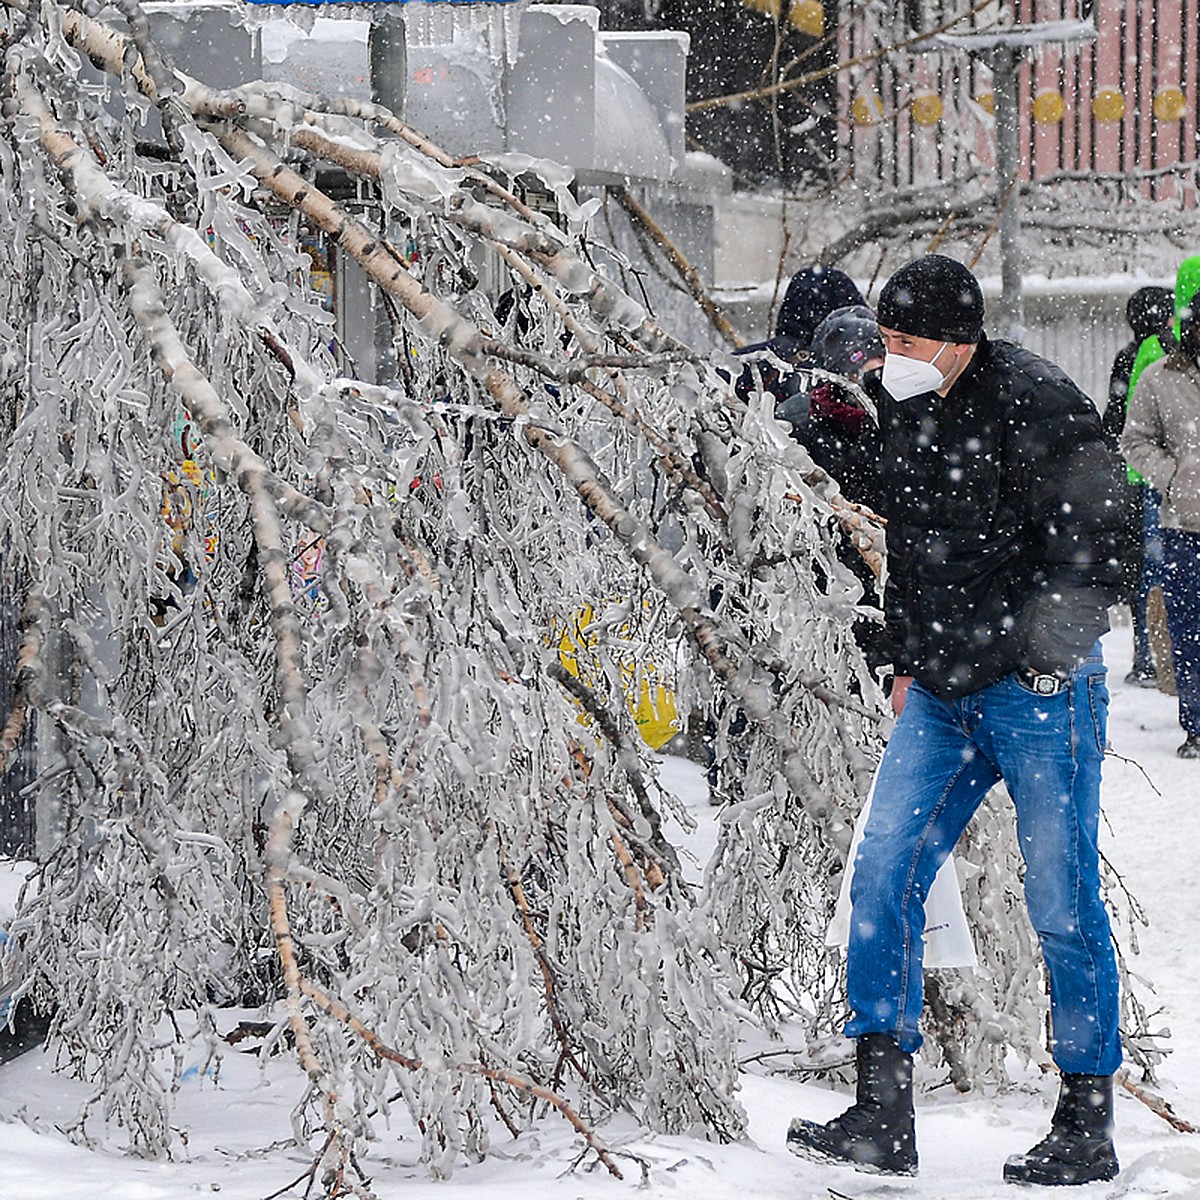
[(876, 1133), (1079, 1146)]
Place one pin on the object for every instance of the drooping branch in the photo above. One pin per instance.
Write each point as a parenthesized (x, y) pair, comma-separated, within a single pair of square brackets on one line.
[(637, 213), (753, 688), (508, 1078)]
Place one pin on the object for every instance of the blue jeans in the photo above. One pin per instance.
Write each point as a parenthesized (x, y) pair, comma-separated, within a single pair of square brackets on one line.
[(1151, 576), (1181, 595), (942, 759)]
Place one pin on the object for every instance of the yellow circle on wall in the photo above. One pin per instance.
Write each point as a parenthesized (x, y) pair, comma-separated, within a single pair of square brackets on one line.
[(866, 108), (1170, 104), (1108, 105), (987, 101), (768, 8), (1048, 107), (808, 17), (926, 108)]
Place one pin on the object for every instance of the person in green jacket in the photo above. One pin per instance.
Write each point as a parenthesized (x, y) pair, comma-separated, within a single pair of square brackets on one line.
[(1150, 313), (1162, 441)]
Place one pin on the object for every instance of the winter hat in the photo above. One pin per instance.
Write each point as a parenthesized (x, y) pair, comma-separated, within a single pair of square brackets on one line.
[(1149, 311), (846, 339), (933, 297), (811, 296)]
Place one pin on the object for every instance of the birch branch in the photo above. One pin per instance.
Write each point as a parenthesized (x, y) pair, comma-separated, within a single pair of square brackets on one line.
[(637, 213), (752, 689), (28, 665), (608, 303)]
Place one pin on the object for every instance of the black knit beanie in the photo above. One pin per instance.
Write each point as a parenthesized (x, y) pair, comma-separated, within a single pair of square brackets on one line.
[(811, 296), (933, 297)]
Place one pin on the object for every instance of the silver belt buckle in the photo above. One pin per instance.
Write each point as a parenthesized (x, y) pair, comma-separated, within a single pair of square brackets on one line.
[(1046, 685)]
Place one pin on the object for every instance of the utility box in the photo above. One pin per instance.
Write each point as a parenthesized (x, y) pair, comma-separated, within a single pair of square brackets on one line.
[(209, 41), (551, 93), (454, 92)]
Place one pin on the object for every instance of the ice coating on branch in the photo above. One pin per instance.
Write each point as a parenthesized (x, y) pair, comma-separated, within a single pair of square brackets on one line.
[(557, 178), (495, 222), (456, 334), (407, 175)]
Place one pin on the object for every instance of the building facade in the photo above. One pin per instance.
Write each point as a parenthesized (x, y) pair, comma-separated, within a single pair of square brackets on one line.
[(1107, 90)]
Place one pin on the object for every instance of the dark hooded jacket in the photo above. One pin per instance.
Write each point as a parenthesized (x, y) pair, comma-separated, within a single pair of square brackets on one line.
[(811, 296), (1149, 312), (1004, 537)]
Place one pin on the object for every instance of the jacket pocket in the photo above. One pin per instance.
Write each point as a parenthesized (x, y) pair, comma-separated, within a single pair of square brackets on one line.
[(1183, 493)]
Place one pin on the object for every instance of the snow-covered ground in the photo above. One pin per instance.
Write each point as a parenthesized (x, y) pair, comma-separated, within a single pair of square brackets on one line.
[(238, 1127)]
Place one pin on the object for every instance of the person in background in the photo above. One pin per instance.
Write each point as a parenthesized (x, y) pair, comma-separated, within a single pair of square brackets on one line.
[(812, 295), (1161, 440), (1004, 549), (846, 344), (1150, 312)]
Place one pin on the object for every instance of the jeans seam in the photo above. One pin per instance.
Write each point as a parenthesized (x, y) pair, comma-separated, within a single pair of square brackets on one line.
[(1095, 718), (1076, 838), (906, 963)]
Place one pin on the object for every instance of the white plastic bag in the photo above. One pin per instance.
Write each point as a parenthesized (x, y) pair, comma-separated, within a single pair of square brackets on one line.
[(947, 938)]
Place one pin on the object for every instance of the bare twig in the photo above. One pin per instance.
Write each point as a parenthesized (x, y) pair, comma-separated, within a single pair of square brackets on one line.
[(638, 213), (497, 1075), (1154, 1102), (789, 85)]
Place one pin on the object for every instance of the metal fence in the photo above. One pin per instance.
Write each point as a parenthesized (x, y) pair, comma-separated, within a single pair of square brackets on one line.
[(1121, 104)]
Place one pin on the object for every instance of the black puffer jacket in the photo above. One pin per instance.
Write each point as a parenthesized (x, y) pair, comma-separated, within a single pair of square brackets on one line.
[(1004, 537)]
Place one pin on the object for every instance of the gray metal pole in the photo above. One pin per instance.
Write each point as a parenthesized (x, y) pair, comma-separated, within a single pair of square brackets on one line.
[(387, 63), (1005, 60)]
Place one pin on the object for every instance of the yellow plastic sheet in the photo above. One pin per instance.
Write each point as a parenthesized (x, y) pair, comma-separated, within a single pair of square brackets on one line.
[(647, 690)]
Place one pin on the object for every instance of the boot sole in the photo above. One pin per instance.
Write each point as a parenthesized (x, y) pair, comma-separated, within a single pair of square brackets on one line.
[(1020, 1174), (824, 1158)]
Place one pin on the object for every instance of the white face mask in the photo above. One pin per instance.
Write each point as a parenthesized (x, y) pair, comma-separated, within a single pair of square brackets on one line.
[(906, 377)]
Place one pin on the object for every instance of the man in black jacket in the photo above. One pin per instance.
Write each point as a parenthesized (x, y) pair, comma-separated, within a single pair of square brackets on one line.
[(1005, 549)]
